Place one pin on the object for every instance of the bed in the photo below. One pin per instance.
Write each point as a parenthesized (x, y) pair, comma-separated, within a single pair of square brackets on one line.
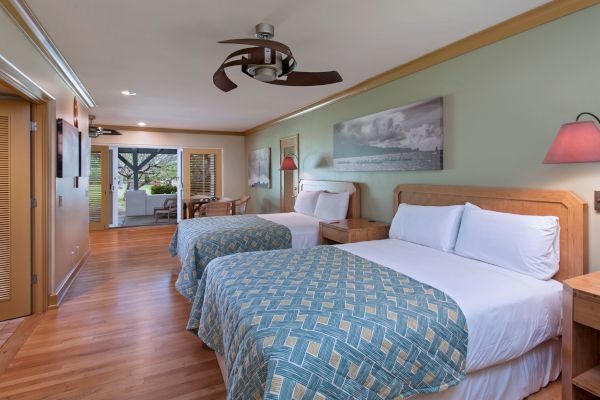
[(514, 321), (197, 241)]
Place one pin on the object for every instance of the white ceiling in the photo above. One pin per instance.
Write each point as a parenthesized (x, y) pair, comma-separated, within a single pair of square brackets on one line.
[(167, 51)]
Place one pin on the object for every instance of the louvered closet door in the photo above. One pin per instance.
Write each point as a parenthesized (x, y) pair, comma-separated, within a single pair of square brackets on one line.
[(98, 188), (202, 172), (15, 210)]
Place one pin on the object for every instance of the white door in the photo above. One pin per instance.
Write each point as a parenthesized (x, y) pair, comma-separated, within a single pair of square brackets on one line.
[(179, 185)]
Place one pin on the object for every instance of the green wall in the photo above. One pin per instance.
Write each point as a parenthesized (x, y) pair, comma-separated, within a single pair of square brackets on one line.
[(503, 106)]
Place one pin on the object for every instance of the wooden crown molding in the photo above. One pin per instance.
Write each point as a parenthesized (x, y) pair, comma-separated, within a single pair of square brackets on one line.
[(521, 23), (170, 130), (14, 78), (26, 20)]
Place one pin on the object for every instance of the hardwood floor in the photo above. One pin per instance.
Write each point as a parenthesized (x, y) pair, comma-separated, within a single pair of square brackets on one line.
[(120, 333), (7, 328)]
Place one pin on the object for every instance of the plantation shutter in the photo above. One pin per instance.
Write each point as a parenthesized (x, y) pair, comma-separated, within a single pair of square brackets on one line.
[(5, 237), (203, 176), (95, 188)]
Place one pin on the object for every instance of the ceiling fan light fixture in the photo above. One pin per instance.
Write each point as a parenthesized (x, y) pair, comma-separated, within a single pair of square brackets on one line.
[(265, 74)]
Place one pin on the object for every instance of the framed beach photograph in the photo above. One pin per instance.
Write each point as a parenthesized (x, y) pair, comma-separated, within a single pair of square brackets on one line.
[(407, 138), (259, 168)]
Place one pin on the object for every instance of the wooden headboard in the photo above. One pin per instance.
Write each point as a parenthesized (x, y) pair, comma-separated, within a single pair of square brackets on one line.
[(337, 187), (568, 207)]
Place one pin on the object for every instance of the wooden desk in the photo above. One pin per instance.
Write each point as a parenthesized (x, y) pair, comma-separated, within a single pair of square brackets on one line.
[(190, 203), (352, 230), (581, 337)]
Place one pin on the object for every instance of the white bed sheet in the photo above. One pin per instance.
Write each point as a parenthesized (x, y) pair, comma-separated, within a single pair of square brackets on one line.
[(304, 228), (507, 313), (512, 380)]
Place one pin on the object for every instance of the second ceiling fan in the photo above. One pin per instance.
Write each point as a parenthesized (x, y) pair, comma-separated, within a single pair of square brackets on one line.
[(270, 62)]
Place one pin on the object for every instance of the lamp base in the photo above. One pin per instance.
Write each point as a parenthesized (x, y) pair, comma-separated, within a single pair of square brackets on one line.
[(597, 201)]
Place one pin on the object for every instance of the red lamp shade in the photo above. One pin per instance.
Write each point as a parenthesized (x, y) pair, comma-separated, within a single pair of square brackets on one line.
[(576, 142), (288, 164)]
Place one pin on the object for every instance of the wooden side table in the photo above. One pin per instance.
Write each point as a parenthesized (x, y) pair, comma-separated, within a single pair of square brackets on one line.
[(581, 337), (352, 230)]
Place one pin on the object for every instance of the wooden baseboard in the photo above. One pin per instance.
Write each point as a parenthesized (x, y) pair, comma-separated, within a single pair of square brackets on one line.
[(17, 339), (55, 299)]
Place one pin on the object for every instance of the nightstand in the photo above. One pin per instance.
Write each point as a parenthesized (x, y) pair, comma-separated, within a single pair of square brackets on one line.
[(352, 230), (581, 337)]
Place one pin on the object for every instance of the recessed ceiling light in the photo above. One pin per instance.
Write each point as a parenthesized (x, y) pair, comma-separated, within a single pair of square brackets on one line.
[(141, 123), (128, 93)]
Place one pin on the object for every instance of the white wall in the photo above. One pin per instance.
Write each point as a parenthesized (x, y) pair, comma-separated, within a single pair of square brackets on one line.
[(234, 157)]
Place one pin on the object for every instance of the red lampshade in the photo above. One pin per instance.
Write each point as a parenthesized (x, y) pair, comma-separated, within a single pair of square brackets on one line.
[(576, 142), (288, 164)]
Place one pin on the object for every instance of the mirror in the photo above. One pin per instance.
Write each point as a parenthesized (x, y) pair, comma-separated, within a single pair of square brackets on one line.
[(289, 181)]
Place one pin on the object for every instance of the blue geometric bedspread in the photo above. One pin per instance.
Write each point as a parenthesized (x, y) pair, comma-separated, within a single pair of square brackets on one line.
[(322, 323), (198, 241)]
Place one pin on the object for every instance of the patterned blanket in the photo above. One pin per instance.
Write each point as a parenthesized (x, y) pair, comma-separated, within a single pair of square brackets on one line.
[(322, 323), (197, 241)]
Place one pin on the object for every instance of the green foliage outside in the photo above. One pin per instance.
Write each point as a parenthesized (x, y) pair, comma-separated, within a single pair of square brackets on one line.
[(163, 189)]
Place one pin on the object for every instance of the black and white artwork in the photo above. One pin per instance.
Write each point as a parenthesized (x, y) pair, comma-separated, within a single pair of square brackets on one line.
[(259, 168), (407, 138)]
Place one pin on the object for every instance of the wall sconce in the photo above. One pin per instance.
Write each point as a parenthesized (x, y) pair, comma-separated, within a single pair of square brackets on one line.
[(577, 142)]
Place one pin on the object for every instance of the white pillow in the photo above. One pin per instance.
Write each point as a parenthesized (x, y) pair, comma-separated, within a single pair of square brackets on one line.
[(522, 243), (306, 201), (332, 206), (431, 226)]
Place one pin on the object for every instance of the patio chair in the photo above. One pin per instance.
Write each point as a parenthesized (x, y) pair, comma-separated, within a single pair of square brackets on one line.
[(239, 205), (215, 208), (169, 209), (168, 203)]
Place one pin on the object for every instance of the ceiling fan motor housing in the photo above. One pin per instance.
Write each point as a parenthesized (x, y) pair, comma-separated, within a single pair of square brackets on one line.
[(265, 31)]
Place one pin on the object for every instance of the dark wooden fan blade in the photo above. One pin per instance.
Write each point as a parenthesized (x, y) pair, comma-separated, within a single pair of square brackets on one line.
[(222, 81), (309, 79), (278, 46), (254, 55)]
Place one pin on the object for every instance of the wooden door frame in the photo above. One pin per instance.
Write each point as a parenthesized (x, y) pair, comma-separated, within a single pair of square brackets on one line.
[(106, 198), (43, 169)]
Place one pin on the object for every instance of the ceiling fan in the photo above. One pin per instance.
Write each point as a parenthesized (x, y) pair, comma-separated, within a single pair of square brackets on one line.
[(95, 131), (270, 62)]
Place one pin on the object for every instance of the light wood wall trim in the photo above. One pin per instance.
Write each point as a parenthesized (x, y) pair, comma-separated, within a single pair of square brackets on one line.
[(521, 23), (170, 130), (55, 299), (26, 20), (571, 210)]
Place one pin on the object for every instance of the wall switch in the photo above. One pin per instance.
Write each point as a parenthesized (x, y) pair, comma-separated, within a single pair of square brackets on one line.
[(597, 201)]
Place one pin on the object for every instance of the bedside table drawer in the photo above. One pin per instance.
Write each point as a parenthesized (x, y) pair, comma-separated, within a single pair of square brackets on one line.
[(586, 311), (334, 234)]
